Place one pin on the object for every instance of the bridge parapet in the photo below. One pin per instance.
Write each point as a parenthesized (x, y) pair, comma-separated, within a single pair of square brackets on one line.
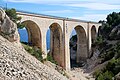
[(53, 17)]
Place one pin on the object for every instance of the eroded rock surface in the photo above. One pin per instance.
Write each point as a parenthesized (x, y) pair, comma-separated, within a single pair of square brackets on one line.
[(17, 64), (8, 28)]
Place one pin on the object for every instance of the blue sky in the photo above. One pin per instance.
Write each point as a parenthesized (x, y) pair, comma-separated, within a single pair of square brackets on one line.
[(90, 10)]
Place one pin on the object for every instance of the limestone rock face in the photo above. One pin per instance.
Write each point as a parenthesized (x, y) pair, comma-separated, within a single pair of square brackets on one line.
[(2, 14), (8, 28), (17, 64)]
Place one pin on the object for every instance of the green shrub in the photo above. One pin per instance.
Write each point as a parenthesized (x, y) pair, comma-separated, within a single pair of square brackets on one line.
[(117, 55), (117, 67), (111, 69), (50, 58), (100, 77), (36, 52), (97, 73), (109, 55), (105, 76), (99, 41), (12, 13), (111, 64)]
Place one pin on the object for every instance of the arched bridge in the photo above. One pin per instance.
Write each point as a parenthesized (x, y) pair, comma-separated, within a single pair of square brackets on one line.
[(60, 29)]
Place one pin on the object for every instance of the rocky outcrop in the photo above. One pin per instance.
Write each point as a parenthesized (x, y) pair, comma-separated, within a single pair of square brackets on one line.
[(115, 33), (8, 28), (117, 77)]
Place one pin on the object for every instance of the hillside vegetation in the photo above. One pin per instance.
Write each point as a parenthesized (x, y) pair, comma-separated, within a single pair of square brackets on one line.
[(108, 43), (107, 64)]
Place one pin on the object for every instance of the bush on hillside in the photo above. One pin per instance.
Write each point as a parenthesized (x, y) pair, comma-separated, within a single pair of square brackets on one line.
[(105, 76), (50, 58), (111, 69), (34, 51), (99, 41), (14, 17), (113, 20)]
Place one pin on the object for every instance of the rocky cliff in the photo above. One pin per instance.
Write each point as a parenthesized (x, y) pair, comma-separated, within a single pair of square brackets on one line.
[(17, 64)]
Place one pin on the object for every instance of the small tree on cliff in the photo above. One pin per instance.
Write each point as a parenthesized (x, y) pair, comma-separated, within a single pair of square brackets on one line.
[(14, 17), (113, 20)]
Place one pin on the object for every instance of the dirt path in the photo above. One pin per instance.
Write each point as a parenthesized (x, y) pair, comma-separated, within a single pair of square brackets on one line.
[(74, 74), (79, 74)]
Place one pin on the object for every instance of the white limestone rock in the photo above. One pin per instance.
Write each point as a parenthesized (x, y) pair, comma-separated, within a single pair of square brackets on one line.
[(8, 28), (17, 64)]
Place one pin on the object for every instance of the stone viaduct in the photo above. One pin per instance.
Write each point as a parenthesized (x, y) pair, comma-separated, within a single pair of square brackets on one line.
[(60, 29)]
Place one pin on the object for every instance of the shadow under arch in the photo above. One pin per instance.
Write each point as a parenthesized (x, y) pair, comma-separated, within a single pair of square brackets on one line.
[(34, 33), (93, 38), (93, 34), (56, 43), (81, 53)]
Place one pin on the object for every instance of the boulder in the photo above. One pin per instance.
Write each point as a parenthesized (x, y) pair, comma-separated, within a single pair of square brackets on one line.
[(117, 77), (8, 28), (115, 33)]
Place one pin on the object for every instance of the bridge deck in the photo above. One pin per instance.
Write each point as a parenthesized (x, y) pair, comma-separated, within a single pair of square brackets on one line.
[(52, 17)]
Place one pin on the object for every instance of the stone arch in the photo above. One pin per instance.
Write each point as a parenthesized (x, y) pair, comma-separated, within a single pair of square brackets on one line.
[(56, 42), (93, 34), (81, 54), (99, 30), (34, 33), (81, 43), (93, 37)]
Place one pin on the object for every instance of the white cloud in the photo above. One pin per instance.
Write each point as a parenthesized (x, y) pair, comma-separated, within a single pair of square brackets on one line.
[(90, 4), (65, 1), (58, 11), (92, 17), (44, 1), (96, 6)]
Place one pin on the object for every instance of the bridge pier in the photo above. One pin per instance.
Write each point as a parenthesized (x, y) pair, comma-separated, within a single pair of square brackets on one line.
[(44, 49), (66, 47), (92, 35)]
